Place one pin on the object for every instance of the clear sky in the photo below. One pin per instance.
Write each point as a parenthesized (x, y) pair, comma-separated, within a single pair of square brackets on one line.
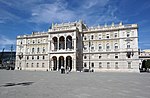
[(19, 17)]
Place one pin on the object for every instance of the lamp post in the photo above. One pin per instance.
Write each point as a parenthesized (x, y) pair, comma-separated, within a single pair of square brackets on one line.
[(89, 53)]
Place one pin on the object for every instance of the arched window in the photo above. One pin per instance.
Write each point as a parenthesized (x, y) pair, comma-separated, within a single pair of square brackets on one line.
[(99, 46), (92, 47), (116, 46), (68, 42), (128, 34), (55, 43), (128, 44), (107, 46), (61, 42)]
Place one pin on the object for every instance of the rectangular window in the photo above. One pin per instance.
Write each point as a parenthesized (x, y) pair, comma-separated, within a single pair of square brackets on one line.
[(32, 57), (128, 46), (116, 56), (107, 36), (33, 41), (27, 57), (100, 57), (27, 65), (100, 64), (37, 57), (115, 35), (43, 57), (85, 57), (85, 65), (38, 40), (92, 65), (84, 37), (92, 47), (37, 65), (43, 49), (129, 54), (43, 65), (32, 65), (28, 41), (129, 65), (108, 55), (85, 47), (116, 65), (100, 36), (108, 65), (19, 64), (32, 50), (38, 50), (100, 46), (92, 37)]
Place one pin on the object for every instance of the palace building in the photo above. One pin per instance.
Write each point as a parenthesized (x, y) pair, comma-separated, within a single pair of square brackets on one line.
[(77, 47)]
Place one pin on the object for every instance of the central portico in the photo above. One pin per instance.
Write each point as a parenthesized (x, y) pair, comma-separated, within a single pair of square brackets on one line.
[(65, 45)]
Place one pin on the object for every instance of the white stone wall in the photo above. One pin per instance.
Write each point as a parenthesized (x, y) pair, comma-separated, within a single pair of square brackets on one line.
[(109, 46)]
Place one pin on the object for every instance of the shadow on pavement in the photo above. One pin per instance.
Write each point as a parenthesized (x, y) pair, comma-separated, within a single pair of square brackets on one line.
[(14, 84)]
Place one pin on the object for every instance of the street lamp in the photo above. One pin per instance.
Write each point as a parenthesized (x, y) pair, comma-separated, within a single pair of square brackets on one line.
[(89, 53)]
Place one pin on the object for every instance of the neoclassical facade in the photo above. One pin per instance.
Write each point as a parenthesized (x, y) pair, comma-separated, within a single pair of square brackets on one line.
[(76, 47)]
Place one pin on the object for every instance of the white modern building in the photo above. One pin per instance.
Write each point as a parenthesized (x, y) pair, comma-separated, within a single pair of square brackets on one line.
[(76, 47)]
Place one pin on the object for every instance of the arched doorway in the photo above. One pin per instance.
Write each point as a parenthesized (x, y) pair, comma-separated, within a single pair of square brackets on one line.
[(55, 42), (61, 62), (61, 42), (68, 42), (54, 63), (69, 63)]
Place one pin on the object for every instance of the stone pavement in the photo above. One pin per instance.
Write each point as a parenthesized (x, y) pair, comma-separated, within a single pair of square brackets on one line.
[(37, 84)]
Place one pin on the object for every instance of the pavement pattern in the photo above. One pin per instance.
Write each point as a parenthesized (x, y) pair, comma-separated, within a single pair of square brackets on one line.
[(38, 84)]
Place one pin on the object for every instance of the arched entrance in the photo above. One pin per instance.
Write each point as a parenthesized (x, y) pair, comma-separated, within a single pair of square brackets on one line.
[(61, 42), (55, 42), (61, 62), (54, 63), (68, 42), (69, 63)]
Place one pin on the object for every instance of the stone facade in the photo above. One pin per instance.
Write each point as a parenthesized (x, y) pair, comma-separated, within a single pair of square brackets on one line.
[(77, 47)]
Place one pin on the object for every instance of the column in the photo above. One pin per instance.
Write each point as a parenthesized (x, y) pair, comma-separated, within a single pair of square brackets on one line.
[(58, 44), (74, 63), (64, 62), (52, 64), (58, 64), (65, 43)]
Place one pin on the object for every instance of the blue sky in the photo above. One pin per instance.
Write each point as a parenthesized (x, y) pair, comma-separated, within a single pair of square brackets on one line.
[(18, 17)]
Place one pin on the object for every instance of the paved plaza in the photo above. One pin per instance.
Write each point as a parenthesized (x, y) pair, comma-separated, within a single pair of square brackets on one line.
[(36, 84)]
